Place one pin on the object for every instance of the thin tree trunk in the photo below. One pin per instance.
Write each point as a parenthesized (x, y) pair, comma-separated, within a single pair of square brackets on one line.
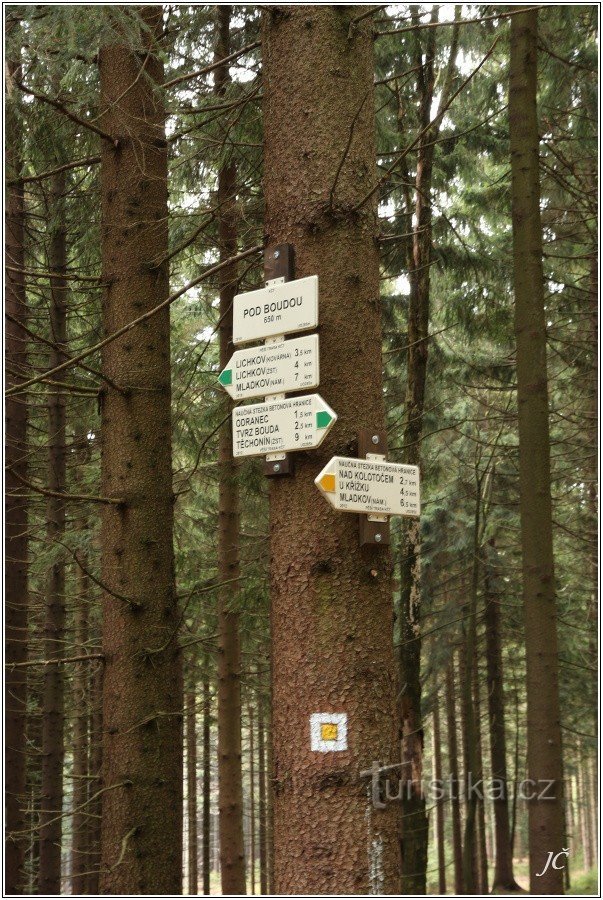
[(95, 768), (230, 776), (206, 804), (80, 863), (594, 807), (453, 755), (191, 783), (143, 692), (262, 798), (545, 759), (470, 725), (585, 814), (269, 803), (319, 163), (16, 515), (437, 755), (503, 864), (53, 700), (251, 798), (481, 806)]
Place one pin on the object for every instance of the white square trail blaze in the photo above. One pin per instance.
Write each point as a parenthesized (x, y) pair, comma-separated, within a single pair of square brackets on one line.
[(328, 732)]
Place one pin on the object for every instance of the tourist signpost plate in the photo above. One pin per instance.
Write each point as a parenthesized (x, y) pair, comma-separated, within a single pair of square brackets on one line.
[(278, 309), (278, 426), (272, 368), (370, 486)]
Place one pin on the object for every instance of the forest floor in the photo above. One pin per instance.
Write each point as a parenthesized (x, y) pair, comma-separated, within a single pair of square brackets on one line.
[(583, 882)]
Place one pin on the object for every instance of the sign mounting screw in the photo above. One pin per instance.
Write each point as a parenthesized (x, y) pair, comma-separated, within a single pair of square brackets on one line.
[(378, 538), (375, 439), (277, 253), (277, 467)]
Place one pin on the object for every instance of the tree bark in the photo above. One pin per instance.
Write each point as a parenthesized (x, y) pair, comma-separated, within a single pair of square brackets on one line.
[(415, 824), (503, 863), (470, 723), (53, 700), (332, 608), (262, 811), (544, 728), (206, 805), (230, 775), (481, 807), (437, 755), (191, 784), (453, 755), (80, 863), (142, 692), (251, 797), (16, 513), (95, 769)]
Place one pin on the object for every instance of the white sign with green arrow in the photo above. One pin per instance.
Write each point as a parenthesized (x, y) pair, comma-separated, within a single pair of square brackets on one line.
[(279, 426), (272, 369)]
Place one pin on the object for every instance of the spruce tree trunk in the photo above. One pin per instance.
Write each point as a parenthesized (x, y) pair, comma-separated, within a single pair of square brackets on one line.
[(543, 718), (142, 692), (469, 717), (269, 801), (95, 769), (53, 700), (453, 756), (481, 809), (503, 862), (251, 797), (16, 519), (437, 754), (191, 784), (230, 776), (262, 799), (206, 796), (80, 863), (332, 608)]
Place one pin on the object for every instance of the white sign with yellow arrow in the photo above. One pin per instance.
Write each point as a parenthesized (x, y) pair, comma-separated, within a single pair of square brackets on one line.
[(370, 486)]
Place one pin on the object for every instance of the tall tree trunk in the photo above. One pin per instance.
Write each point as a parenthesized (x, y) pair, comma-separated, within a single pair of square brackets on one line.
[(230, 776), (585, 813), (415, 825), (53, 700), (334, 605), (251, 797), (481, 807), (143, 693), (95, 769), (594, 807), (269, 797), (262, 797), (503, 863), (80, 863), (16, 520), (453, 755), (191, 784), (470, 723), (206, 797), (437, 755), (544, 727)]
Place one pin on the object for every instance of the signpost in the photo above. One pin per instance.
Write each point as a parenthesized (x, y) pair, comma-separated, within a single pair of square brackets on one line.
[(278, 309), (370, 486), (272, 368), (278, 426)]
